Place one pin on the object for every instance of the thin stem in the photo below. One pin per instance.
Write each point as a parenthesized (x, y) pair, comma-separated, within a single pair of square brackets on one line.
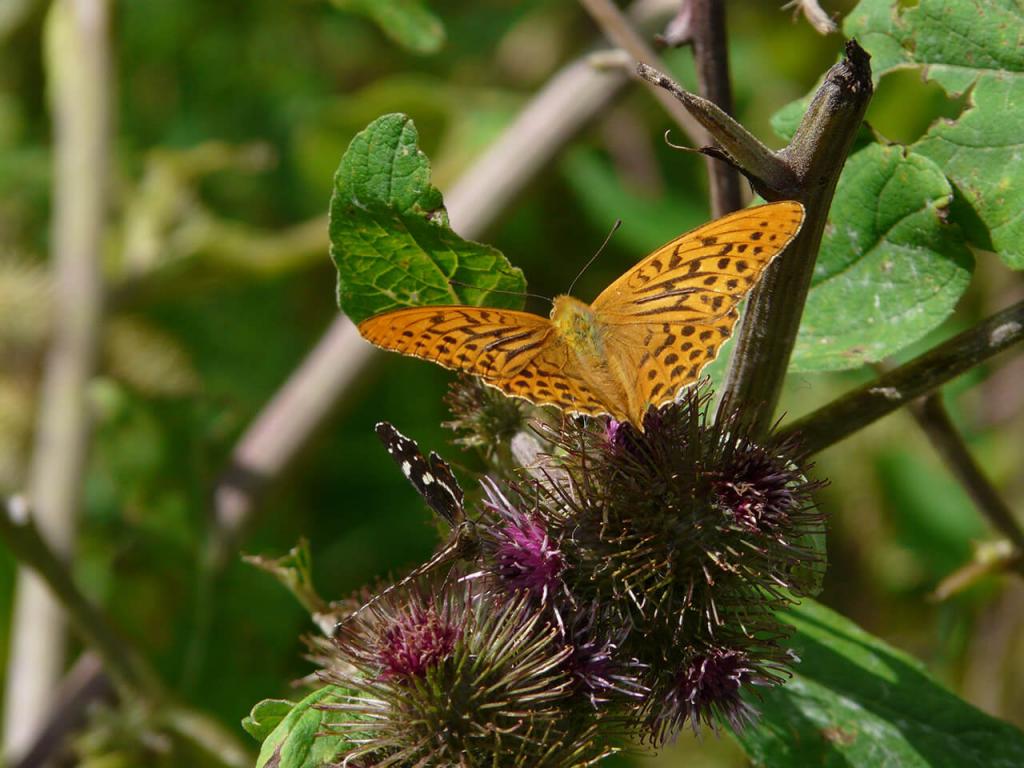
[(864, 405), (934, 419), (618, 29), (130, 673), (77, 59), (77, 694), (821, 21), (770, 174), (126, 669), (711, 56)]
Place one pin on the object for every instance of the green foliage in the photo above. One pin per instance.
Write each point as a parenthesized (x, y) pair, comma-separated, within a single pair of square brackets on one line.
[(974, 47), (300, 738), (648, 221), (410, 23), (890, 267), (228, 129), (856, 701), (295, 572), (893, 267), (265, 717), (390, 237)]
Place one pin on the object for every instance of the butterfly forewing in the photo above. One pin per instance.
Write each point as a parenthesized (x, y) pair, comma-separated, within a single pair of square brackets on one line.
[(705, 273), (493, 343)]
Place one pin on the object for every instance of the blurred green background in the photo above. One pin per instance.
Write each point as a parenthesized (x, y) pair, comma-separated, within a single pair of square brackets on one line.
[(230, 120)]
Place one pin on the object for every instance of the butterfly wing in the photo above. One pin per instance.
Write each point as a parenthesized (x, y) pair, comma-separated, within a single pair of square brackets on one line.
[(667, 317), (491, 343), (516, 352), (704, 273), (659, 360), (432, 477)]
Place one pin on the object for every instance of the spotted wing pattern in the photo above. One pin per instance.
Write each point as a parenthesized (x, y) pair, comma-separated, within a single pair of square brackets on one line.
[(706, 272), (556, 376), (661, 322), (516, 352), (491, 343), (664, 358), (431, 476), (669, 316)]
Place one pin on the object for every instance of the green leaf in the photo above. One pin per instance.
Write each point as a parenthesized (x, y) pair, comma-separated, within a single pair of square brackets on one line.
[(295, 742), (890, 268), (295, 572), (390, 238), (409, 23), (974, 47), (856, 701), (265, 717)]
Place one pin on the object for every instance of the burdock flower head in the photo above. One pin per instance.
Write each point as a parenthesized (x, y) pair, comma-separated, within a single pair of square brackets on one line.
[(452, 677), (707, 691), (484, 418), (601, 671), (420, 639), (520, 547), (692, 533)]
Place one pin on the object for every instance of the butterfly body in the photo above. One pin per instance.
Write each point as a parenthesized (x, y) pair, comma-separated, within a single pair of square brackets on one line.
[(643, 338)]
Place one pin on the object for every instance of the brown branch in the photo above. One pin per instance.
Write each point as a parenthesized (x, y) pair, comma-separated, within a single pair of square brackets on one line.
[(620, 31), (79, 75), (932, 416), (807, 170), (816, 155), (711, 55), (864, 405)]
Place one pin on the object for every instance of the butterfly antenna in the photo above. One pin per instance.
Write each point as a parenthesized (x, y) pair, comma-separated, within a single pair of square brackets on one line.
[(615, 227)]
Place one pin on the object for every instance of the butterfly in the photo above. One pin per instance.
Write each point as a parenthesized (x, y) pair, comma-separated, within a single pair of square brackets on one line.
[(643, 338), (431, 476), (433, 479)]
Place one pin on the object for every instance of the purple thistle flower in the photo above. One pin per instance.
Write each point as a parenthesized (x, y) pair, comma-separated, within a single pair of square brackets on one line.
[(596, 664), (759, 494), (526, 557), (419, 639), (707, 692)]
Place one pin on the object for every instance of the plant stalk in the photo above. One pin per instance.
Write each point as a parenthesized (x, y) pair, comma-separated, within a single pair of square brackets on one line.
[(711, 56), (77, 59), (925, 373)]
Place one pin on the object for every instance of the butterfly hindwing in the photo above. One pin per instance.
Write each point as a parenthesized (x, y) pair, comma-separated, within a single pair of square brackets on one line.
[(667, 357), (432, 477)]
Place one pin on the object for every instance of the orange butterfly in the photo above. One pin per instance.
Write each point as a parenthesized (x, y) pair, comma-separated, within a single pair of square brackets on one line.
[(648, 333)]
